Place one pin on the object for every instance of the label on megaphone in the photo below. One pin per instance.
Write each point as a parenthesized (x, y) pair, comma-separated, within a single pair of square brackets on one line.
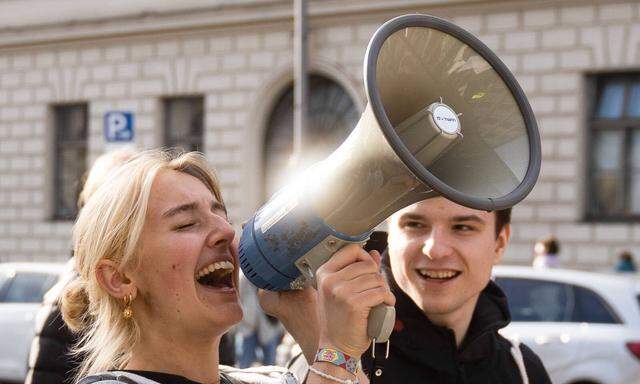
[(446, 119)]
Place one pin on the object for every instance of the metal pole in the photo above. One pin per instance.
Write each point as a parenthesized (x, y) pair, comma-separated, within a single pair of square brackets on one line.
[(300, 92)]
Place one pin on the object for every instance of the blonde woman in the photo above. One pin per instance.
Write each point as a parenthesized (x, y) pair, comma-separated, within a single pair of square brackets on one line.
[(158, 282)]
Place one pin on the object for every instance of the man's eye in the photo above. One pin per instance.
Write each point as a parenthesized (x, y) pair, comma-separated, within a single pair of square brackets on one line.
[(414, 224), (463, 228)]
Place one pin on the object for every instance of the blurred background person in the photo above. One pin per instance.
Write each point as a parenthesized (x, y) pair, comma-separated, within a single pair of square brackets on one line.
[(49, 360), (258, 334), (625, 263), (546, 253)]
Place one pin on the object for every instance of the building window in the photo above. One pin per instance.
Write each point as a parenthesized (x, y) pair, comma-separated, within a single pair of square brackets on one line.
[(184, 122), (70, 125), (614, 148), (332, 115)]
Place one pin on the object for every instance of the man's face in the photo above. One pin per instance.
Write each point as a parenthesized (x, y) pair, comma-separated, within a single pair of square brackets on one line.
[(442, 253)]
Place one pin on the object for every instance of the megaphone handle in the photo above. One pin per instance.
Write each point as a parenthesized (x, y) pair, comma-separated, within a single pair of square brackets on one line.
[(382, 319)]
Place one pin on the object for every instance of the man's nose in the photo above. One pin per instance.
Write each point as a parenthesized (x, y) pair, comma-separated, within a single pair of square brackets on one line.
[(221, 233), (437, 245)]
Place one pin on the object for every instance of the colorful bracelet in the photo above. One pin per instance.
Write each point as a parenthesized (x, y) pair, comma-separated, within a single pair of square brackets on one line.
[(335, 357)]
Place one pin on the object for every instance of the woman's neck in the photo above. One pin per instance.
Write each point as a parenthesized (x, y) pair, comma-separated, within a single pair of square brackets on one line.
[(197, 361)]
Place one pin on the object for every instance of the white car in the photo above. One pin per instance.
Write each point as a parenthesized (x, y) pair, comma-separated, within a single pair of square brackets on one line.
[(585, 326), (22, 287)]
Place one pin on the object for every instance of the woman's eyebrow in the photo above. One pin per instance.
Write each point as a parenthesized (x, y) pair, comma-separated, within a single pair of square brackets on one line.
[(179, 209)]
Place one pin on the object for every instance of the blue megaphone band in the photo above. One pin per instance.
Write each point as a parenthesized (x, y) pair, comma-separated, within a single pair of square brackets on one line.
[(283, 231)]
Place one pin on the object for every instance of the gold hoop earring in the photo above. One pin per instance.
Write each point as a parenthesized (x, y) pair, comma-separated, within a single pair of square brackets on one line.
[(128, 312)]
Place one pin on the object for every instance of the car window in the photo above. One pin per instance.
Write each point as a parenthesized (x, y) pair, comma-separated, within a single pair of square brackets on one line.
[(28, 287), (536, 300), (589, 307), (5, 277)]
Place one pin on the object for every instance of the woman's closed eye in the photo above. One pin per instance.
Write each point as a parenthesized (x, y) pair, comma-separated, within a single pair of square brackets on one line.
[(184, 226)]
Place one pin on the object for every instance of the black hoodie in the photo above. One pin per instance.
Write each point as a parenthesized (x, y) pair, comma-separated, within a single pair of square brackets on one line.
[(421, 352)]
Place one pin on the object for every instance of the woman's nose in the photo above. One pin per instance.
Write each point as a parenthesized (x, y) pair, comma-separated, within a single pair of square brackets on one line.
[(221, 233), (436, 245)]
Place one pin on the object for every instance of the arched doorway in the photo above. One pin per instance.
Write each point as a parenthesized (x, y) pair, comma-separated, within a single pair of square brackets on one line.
[(332, 115)]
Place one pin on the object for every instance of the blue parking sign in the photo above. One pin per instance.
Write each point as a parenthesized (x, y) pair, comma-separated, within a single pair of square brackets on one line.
[(118, 126)]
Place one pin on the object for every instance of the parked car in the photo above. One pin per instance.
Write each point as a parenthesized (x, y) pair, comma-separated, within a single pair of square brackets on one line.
[(585, 326), (22, 287)]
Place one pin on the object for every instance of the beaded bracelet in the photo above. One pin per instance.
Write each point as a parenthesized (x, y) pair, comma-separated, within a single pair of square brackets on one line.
[(333, 378), (337, 358)]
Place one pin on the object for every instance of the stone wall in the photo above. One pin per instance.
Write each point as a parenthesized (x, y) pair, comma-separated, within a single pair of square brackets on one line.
[(549, 45)]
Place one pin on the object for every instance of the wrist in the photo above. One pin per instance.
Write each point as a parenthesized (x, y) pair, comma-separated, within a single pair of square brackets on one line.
[(338, 359), (325, 343)]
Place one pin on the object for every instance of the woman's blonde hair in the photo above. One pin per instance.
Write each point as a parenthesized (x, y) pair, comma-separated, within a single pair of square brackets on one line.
[(101, 168), (109, 227)]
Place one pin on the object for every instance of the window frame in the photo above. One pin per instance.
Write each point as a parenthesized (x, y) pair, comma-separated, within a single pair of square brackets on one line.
[(318, 81), (568, 291), (596, 83), (195, 143), (602, 301), (59, 145)]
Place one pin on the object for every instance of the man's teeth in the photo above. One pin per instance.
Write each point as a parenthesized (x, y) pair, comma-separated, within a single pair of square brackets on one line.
[(226, 265), (437, 274)]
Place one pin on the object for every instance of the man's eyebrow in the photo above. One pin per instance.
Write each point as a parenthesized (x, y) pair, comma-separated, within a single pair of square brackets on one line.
[(475, 218), (180, 208), (412, 216)]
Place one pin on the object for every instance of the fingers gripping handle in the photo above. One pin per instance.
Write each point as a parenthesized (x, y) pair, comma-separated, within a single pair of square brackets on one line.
[(382, 318)]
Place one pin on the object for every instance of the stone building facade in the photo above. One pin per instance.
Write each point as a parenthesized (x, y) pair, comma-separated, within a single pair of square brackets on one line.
[(238, 57)]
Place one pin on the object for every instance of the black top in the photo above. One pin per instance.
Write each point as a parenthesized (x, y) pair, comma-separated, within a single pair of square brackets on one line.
[(167, 378)]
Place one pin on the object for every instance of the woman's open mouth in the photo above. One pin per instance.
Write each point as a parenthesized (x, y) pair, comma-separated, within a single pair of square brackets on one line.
[(216, 275)]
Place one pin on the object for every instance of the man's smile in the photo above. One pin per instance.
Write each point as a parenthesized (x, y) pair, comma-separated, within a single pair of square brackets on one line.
[(438, 274)]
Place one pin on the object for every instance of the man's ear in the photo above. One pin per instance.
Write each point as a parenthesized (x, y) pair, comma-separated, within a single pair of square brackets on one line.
[(501, 243), (113, 280)]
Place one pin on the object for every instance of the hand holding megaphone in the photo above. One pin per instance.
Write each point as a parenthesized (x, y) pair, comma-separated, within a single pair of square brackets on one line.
[(350, 285)]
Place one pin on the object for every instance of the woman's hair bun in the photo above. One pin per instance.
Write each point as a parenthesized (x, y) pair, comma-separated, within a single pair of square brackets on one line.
[(74, 304)]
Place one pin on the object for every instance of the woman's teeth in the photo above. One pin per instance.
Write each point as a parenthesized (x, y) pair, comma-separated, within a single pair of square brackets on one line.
[(437, 274), (224, 265)]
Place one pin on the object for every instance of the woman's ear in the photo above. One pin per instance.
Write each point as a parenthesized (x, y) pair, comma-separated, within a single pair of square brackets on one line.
[(113, 280)]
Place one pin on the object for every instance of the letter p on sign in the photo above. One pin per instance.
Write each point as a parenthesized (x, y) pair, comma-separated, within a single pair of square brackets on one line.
[(118, 126)]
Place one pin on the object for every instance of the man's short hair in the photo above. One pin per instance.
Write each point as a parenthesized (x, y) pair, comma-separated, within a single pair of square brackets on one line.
[(503, 217)]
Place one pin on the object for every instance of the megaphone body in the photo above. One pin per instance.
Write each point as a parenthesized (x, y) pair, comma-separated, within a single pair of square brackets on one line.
[(445, 117)]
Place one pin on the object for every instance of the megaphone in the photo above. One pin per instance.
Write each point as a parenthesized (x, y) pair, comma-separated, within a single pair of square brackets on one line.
[(445, 117)]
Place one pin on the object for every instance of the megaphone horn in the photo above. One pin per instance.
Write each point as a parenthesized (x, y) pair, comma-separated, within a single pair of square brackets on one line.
[(445, 117)]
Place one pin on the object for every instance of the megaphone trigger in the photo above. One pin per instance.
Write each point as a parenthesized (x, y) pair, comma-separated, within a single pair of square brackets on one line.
[(309, 263)]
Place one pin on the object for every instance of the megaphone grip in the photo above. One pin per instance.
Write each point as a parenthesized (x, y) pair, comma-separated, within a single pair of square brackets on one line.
[(382, 319)]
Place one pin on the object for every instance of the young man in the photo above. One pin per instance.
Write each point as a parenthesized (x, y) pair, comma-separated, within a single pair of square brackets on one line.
[(438, 262)]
